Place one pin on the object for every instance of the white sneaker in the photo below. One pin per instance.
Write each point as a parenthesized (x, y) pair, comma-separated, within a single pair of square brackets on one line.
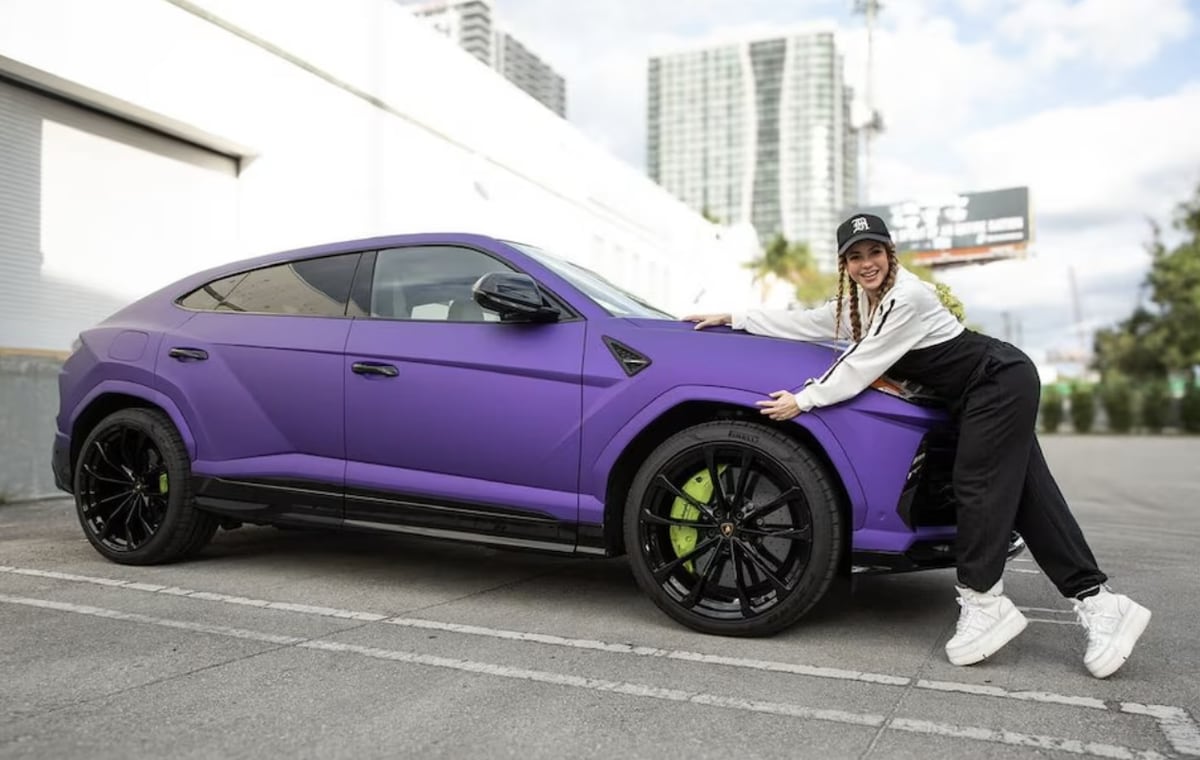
[(988, 621), (1114, 622)]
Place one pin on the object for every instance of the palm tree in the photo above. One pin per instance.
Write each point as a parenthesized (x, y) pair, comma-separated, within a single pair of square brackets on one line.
[(779, 258), (793, 263)]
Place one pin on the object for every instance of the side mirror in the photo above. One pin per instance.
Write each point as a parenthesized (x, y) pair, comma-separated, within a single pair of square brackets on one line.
[(514, 296)]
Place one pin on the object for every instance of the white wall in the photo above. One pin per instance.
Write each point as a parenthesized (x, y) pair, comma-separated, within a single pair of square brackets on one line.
[(362, 121)]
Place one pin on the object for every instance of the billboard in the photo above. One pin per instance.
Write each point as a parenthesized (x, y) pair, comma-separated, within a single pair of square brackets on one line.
[(962, 228)]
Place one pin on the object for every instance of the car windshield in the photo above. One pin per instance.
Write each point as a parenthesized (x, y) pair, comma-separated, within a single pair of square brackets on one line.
[(614, 300)]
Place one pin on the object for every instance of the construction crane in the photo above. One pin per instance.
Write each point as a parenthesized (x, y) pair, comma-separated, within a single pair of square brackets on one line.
[(873, 126)]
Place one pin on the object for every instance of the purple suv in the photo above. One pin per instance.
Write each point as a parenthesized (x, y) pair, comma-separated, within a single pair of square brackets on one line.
[(462, 387)]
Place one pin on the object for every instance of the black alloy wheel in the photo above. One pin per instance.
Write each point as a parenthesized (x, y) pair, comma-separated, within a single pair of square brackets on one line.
[(125, 488), (132, 490), (733, 528)]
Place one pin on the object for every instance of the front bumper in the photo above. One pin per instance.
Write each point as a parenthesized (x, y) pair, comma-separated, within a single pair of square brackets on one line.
[(60, 462)]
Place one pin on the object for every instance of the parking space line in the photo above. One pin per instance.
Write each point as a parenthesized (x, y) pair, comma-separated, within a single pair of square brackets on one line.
[(1176, 723), (997, 691), (134, 617), (1183, 729), (304, 609), (908, 725)]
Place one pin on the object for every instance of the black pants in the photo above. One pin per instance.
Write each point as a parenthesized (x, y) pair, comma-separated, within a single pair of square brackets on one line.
[(1002, 483)]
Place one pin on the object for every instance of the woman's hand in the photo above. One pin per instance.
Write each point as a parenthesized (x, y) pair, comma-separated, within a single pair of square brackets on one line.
[(783, 407), (709, 320)]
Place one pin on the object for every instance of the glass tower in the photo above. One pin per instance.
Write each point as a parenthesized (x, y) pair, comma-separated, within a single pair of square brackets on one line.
[(757, 131)]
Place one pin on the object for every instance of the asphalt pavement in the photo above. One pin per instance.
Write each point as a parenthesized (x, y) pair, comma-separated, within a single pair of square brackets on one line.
[(306, 644)]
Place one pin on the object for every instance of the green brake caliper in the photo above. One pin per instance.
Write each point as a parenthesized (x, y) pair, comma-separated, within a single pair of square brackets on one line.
[(683, 539), (162, 483)]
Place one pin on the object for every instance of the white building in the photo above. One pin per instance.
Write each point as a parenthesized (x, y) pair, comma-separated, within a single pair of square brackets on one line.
[(141, 140), (757, 131)]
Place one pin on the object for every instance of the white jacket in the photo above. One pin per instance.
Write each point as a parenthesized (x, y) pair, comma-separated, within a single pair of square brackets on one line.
[(910, 316)]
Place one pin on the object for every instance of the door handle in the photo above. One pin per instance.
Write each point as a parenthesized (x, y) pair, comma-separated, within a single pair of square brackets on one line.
[(188, 354), (372, 368)]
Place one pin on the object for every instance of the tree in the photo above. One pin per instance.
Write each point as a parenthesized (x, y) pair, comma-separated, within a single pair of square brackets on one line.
[(909, 262), (1133, 348), (793, 263), (781, 259), (1052, 409), (1189, 408), (1155, 406), (945, 295), (1174, 283), (1116, 395), (1162, 335), (1083, 408), (815, 287)]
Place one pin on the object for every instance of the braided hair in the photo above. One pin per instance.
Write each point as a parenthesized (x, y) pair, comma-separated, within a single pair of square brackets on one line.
[(845, 282)]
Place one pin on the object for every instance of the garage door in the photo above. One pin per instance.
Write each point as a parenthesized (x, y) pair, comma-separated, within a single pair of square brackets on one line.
[(96, 212)]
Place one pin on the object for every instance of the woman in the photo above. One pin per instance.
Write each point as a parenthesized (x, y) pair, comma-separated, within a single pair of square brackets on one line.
[(1001, 480)]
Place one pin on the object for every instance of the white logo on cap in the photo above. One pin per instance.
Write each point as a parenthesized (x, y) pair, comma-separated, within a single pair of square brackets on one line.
[(860, 225)]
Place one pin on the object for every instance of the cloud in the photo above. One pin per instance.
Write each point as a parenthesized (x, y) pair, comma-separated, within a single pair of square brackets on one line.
[(1097, 175), (1125, 158), (930, 85), (975, 94), (934, 83), (928, 81), (1096, 172), (1107, 34), (1075, 284), (603, 52)]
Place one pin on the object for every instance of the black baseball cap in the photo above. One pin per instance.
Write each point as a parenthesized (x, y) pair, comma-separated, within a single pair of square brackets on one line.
[(861, 227)]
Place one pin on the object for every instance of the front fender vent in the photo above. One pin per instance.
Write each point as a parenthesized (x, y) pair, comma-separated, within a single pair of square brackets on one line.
[(631, 361), (928, 497)]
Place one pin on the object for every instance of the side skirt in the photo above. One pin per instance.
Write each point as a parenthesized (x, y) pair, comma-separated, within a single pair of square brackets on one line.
[(292, 502)]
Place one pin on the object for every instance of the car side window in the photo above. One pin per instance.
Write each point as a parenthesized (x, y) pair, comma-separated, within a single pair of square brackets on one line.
[(431, 283), (311, 287)]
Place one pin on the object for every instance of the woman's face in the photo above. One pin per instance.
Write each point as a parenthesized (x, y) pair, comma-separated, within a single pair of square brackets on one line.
[(867, 265)]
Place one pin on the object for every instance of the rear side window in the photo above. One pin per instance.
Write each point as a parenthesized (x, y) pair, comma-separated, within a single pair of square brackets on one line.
[(312, 287)]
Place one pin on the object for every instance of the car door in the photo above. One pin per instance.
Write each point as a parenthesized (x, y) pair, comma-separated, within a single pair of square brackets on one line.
[(258, 374), (457, 424)]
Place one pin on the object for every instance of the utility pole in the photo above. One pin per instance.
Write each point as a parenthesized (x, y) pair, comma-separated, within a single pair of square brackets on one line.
[(874, 123), (1078, 310)]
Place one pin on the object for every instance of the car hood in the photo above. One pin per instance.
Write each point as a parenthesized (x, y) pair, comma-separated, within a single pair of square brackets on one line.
[(727, 357)]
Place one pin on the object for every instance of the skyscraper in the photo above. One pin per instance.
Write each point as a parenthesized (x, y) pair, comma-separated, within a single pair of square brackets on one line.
[(470, 23), (757, 131), (533, 75), (467, 22)]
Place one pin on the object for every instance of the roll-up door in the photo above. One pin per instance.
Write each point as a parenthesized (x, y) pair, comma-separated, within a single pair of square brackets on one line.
[(96, 212)]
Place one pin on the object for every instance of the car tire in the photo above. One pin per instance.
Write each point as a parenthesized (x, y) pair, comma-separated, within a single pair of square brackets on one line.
[(133, 491), (774, 549)]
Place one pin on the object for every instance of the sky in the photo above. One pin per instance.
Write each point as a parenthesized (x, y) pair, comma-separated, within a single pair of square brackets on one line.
[(1092, 104)]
